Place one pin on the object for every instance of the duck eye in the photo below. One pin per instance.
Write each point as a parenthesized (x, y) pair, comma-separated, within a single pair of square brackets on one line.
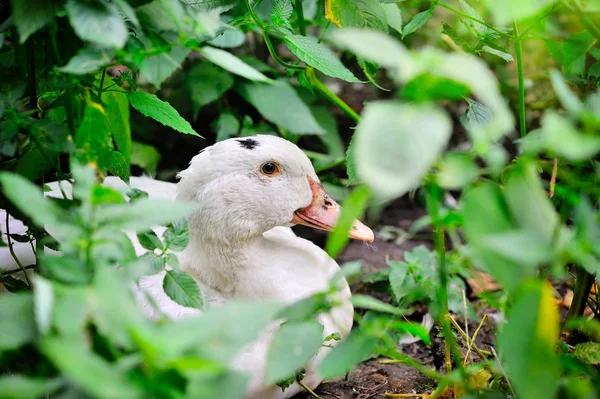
[(270, 169)]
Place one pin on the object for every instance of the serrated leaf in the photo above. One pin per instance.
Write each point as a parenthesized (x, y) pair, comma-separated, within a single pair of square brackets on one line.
[(470, 11), (87, 60), (393, 16), (157, 68), (451, 32), (279, 103), (282, 9), (417, 21), (233, 64), (177, 236), (293, 346), (318, 56), (397, 144), (182, 288), (207, 83), (32, 15), (43, 304), (149, 240), (97, 22), (119, 166), (498, 53), (117, 112), (356, 14), (153, 107)]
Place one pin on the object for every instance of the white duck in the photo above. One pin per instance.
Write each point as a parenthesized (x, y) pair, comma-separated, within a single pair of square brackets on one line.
[(251, 191)]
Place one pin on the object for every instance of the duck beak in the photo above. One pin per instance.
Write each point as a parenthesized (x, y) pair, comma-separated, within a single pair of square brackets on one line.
[(323, 213)]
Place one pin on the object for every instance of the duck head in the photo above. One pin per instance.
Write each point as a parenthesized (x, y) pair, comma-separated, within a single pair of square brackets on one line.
[(247, 186)]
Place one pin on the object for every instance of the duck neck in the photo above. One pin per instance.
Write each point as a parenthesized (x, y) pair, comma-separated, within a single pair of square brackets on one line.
[(215, 263)]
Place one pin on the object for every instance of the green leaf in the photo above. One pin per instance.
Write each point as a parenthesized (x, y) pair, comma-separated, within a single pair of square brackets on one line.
[(226, 126), (498, 53), (93, 137), (144, 156), (279, 103), (575, 49), (528, 342), (293, 346), (182, 288), (560, 136), (207, 83), (282, 9), (33, 163), (318, 56), (151, 106), (233, 64), (353, 208), (177, 236), (511, 10), (519, 246), (43, 211), (417, 21), (567, 98), (32, 15), (119, 166), (588, 353), (529, 203), (117, 112), (86, 369), (141, 215), (106, 195), (456, 170), (427, 87), (17, 324), (373, 46), (43, 304), (356, 14), (157, 68), (149, 240), (97, 22), (368, 302), (397, 144), (479, 29), (22, 387), (231, 385), (393, 16), (230, 38), (477, 115), (347, 354), (451, 32), (87, 60)]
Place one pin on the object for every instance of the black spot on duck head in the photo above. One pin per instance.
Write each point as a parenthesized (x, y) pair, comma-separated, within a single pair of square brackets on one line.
[(249, 144)]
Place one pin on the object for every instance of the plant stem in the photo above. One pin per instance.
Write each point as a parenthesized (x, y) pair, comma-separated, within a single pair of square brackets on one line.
[(553, 177), (13, 271), (462, 14), (101, 84), (321, 88), (519, 52), (307, 389), (583, 285), (12, 251), (300, 13)]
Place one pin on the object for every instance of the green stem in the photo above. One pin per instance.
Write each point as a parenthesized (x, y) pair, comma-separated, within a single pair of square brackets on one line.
[(101, 84), (300, 13), (583, 285), (13, 271), (521, 75), (12, 251), (462, 14), (321, 88)]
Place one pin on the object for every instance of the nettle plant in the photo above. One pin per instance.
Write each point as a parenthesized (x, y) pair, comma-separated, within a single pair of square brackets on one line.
[(72, 69)]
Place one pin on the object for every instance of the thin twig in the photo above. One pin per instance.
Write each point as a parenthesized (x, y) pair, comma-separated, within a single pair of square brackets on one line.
[(482, 354), (472, 341), (307, 389), (406, 395), (553, 177), (12, 251), (13, 271), (466, 325), (462, 14), (504, 372)]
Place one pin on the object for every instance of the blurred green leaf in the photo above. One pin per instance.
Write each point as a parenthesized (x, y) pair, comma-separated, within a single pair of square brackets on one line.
[(232, 64), (347, 354), (427, 88), (528, 341), (32, 15), (280, 104), (86, 369), (353, 208), (97, 22), (66, 269), (43, 304), (397, 144), (356, 14), (231, 385), (207, 83), (574, 50), (511, 10), (588, 353), (151, 106), (293, 346), (182, 288), (119, 166), (498, 53), (145, 156), (93, 137), (17, 324), (417, 21), (227, 126), (371, 303), (520, 246), (87, 60), (158, 68), (456, 170), (230, 38), (318, 56), (22, 387)]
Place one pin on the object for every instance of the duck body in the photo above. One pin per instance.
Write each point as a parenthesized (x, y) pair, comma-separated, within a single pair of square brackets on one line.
[(241, 245)]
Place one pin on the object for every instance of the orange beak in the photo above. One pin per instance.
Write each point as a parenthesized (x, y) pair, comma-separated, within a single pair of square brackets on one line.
[(323, 213)]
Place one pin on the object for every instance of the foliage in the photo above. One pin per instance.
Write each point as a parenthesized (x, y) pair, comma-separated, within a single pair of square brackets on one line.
[(86, 84)]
